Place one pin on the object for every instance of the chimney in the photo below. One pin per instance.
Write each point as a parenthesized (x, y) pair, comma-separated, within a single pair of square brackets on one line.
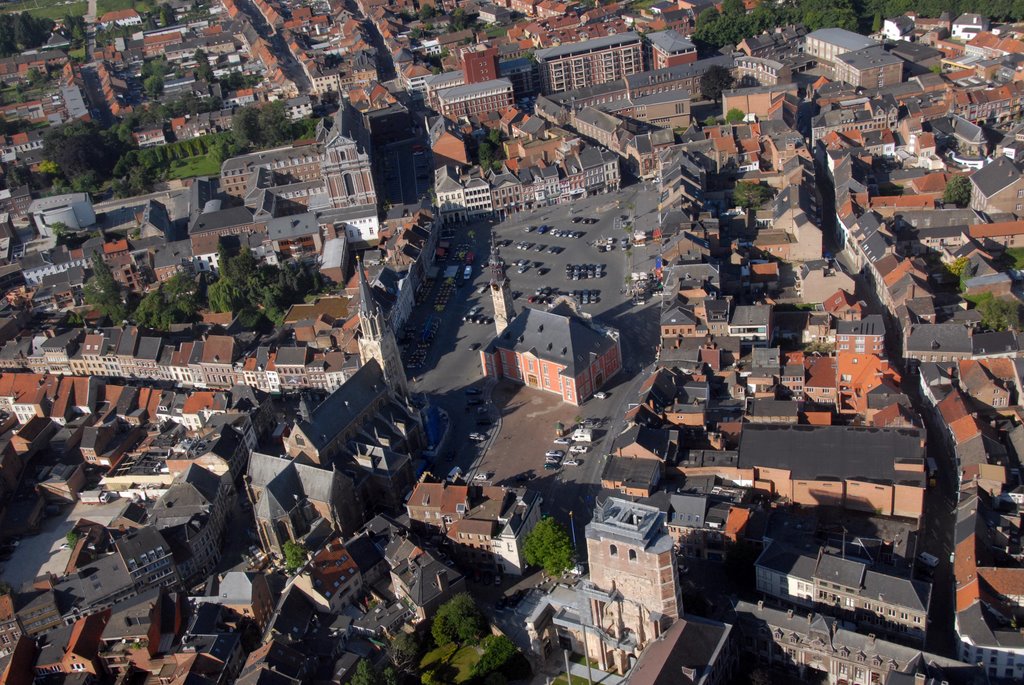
[(442, 580), (760, 604), (920, 678), (789, 614)]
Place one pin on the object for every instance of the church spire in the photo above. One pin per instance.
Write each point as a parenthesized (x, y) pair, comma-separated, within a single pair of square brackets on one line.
[(367, 305)]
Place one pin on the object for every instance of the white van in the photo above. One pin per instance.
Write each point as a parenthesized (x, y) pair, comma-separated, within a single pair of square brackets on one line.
[(455, 473), (583, 435)]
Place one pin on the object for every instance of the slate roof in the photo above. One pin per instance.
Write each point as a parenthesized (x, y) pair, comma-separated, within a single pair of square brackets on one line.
[(996, 175), (555, 335), (832, 452)]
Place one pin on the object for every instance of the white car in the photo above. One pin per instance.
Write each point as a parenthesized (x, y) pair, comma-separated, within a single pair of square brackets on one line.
[(563, 441), (601, 395), (481, 476), (573, 462), (477, 437), (555, 454), (579, 449)]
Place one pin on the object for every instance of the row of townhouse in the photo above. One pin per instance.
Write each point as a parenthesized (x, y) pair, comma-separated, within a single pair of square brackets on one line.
[(214, 361), (464, 196)]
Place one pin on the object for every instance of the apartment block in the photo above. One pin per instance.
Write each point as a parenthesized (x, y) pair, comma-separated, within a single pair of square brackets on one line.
[(590, 62), (475, 98)]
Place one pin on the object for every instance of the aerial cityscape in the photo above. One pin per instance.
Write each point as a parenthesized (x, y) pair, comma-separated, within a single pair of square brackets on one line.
[(485, 342)]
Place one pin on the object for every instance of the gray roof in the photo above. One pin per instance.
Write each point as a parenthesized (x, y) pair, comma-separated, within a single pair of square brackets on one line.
[(343, 406), (939, 338), (845, 572), (995, 176), (294, 226), (846, 40), (557, 335), (869, 58), (869, 325), (833, 452), (629, 522), (670, 41), (587, 46), (788, 561), (470, 90)]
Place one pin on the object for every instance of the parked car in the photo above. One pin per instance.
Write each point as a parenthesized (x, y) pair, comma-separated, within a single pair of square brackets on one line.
[(555, 453), (482, 476), (601, 395), (563, 441), (477, 437), (579, 449), (573, 462)]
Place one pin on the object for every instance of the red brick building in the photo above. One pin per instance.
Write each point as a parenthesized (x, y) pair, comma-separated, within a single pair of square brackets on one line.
[(555, 351), (479, 66), (670, 49)]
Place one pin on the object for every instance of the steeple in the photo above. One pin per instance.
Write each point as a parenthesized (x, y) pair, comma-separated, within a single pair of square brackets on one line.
[(376, 339), (501, 290)]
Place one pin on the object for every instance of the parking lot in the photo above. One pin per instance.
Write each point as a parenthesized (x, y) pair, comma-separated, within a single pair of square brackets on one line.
[(451, 362)]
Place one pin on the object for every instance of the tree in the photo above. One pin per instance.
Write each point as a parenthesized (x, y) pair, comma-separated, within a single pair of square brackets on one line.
[(154, 86), (957, 192), (711, 120), (204, 72), (735, 115), (999, 314), (80, 149), (500, 656), (103, 292), (166, 15), (750, 195), (958, 269), (73, 537), (427, 12), (294, 555), (715, 80), (404, 652), (548, 546), (365, 675), (458, 620), (60, 231)]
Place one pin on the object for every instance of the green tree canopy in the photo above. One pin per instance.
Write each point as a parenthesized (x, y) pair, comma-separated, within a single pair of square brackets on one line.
[(458, 620), (958, 191), (549, 547), (294, 555), (999, 314), (751, 195), (734, 115), (715, 80), (501, 656), (172, 302), (103, 292)]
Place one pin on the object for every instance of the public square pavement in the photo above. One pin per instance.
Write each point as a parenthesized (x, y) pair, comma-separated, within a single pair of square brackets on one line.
[(515, 443)]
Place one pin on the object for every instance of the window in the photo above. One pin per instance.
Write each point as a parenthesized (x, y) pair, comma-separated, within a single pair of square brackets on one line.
[(632, 555), (613, 550)]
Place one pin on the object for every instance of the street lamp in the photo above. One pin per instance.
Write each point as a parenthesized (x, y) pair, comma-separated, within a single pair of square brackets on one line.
[(572, 527)]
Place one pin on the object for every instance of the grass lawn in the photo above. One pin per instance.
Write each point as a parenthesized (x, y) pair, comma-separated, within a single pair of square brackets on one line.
[(1017, 255), (104, 6), (49, 9), (977, 299), (576, 680), (459, 659), (206, 165)]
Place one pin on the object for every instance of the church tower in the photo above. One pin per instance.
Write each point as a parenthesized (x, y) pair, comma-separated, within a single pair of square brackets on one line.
[(376, 340), (501, 291)]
